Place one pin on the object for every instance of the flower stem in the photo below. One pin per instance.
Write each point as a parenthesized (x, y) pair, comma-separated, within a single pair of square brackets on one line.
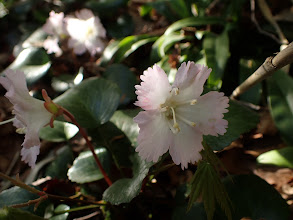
[(85, 136)]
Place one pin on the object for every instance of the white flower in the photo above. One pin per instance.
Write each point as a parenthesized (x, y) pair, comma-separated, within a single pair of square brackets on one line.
[(176, 117), (30, 113), (55, 26), (85, 32)]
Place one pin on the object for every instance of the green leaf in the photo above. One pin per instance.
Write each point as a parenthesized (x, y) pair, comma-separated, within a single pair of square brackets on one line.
[(124, 190), (124, 78), (216, 50), (62, 131), (60, 208), (119, 50), (123, 119), (254, 198), (193, 21), (164, 43), (8, 213), (59, 166), (119, 136), (207, 184), (280, 157), (92, 102), (281, 104), (34, 62), (16, 195), (85, 169), (240, 120)]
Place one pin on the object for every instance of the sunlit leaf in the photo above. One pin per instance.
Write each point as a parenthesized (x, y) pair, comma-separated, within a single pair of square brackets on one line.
[(34, 62), (62, 131), (280, 157), (85, 169), (124, 190)]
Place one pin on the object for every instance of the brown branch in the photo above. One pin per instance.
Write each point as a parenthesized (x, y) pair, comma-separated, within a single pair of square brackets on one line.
[(270, 65)]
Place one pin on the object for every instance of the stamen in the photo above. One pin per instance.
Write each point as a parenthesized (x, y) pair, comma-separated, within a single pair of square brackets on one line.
[(7, 121), (188, 102), (190, 123), (175, 125), (164, 109), (175, 91), (21, 130), (175, 131)]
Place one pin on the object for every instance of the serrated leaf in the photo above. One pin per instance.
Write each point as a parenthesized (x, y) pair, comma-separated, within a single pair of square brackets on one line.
[(92, 102), (124, 190), (62, 131), (280, 157), (8, 213), (124, 78), (34, 62), (85, 169), (240, 120), (281, 104), (207, 184), (266, 202)]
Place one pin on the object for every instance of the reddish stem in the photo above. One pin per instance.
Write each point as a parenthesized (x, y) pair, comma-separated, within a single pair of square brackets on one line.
[(84, 134)]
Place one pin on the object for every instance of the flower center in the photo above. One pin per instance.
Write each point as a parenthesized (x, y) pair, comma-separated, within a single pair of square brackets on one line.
[(169, 110)]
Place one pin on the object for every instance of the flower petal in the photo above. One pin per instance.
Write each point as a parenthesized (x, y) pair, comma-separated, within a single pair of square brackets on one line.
[(187, 145), (29, 155), (207, 113), (153, 90), (154, 136), (190, 79)]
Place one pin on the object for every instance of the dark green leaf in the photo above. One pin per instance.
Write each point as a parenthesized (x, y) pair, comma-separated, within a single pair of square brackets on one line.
[(254, 198), (59, 167), (280, 157), (85, 169), (34, 62), (62, 131), (124, 190), (119, 136), (124, 78), (216, 49), (240, 120), (207, 184), (281, 104), (60, 208), (92, 102), (8, 213)]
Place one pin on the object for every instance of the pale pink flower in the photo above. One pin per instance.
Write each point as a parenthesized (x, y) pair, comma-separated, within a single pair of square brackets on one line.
[(54, 26), (86, 32), (30, 113), (176, 117)]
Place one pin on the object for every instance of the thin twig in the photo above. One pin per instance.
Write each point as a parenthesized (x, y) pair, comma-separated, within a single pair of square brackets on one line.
[(85, 136), (268, 15), (260, 30), (270, 65)]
